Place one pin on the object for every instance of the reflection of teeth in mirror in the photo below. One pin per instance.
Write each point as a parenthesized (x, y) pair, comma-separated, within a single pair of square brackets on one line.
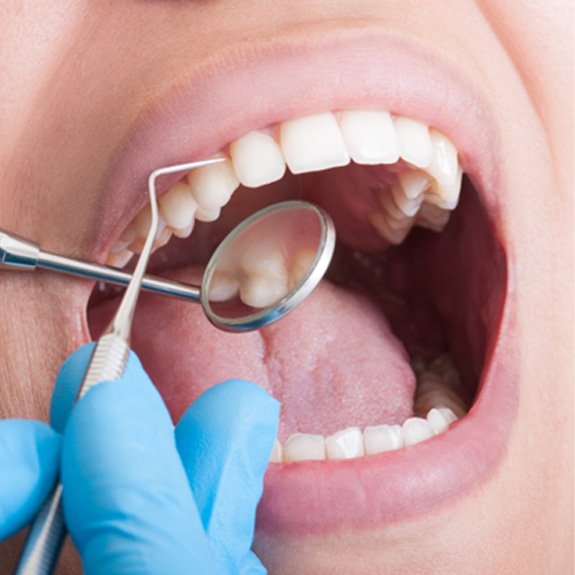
[(369, 137), (259, 291), (300, 265), (224, 286)]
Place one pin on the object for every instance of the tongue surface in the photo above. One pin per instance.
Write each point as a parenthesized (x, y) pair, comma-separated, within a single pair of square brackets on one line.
[(332, 363)]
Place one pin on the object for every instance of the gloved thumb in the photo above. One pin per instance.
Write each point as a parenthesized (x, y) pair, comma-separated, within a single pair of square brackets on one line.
[(225, 439)]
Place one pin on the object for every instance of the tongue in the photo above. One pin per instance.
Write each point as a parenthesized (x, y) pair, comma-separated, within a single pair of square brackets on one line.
[(332, 363)]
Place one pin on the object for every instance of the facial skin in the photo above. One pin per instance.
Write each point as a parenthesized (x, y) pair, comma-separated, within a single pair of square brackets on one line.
[(75, 78)]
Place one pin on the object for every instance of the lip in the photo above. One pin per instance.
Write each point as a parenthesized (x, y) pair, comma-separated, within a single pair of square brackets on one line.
[(206, 109)]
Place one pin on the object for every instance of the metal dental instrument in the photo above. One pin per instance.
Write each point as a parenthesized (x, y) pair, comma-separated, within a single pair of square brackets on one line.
[(284, 220), (302, 236), (108, 362)]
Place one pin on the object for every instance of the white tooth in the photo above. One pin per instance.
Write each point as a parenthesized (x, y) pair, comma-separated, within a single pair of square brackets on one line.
[(382, 226), (224, 286), (443, 167), (437, 420), (276, 455), (381, 438), (178, 207), (260, 291), (345, 444), (416, 430), (413, 183), (414, 141), (448, 414), (205, 215), (257, 159), (212, 186), (300, 265), (185, 232), (304, 447), (432, 217), (370, 137), (386, 199), (446, 196), (313, 143), (408, 206), (120, 260)]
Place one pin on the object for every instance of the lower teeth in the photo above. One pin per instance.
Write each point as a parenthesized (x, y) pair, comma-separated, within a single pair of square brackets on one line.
[(435, 394)]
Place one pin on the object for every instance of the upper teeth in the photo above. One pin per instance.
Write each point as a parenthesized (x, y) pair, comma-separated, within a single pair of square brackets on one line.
[(423, 193)]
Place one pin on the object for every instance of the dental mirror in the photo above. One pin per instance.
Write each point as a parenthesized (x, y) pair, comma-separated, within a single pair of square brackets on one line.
[(261, 271), (267, 266)]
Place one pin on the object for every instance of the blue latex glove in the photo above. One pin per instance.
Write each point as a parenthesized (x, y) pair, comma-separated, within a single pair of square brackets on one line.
[(126, 475), (29, 457)]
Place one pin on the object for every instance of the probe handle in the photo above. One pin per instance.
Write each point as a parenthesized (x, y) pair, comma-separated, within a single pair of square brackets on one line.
[(48, 530)]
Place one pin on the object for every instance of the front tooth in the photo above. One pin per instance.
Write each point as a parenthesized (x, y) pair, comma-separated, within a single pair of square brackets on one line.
[(212, 186), (443, 167), (381, 438), (276, 455), (178, 206), (257, 159), (370, 137), (345, 444), (313, 143), (415, 430), (304, 447), (414, 141)]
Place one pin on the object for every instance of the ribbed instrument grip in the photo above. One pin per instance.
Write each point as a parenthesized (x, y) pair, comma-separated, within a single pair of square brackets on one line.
[(47, 532)]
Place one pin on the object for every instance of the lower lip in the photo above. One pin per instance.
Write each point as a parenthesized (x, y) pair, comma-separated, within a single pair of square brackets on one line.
[(324, 496)]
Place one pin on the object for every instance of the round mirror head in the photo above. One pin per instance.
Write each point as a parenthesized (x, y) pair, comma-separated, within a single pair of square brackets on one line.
[(267, 266)]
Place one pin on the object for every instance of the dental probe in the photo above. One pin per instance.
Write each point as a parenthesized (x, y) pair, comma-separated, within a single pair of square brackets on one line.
[(108, 362)]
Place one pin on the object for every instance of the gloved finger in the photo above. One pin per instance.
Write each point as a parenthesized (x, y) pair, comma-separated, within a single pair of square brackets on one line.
[(70, 378), (225, 439), (127, 501), (29, 457)]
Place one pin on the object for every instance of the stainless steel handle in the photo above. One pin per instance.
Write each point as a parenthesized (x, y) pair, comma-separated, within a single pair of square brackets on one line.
[(48, 530)]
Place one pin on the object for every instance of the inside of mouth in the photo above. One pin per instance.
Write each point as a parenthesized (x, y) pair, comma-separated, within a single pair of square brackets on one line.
[(365, 348)]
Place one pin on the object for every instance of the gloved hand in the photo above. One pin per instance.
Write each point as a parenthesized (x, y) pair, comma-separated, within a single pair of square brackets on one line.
[(29, 457), (126, 475)]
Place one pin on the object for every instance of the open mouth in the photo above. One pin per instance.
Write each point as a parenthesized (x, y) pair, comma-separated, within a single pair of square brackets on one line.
[(386, 374)]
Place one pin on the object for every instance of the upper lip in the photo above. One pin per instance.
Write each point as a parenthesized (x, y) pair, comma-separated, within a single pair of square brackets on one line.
[(206, 108), (240, 90)]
